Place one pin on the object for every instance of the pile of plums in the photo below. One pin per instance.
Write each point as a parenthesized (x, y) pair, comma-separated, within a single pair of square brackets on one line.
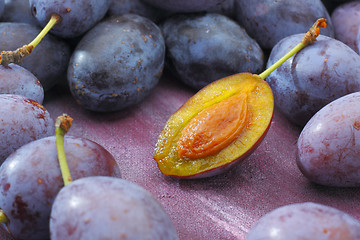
[(110, 54)]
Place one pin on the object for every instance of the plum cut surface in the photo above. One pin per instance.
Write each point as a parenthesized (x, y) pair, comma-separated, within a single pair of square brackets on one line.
[(259, 114)]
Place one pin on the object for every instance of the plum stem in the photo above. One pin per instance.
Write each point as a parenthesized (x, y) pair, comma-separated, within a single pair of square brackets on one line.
[(16, 56), (62, 126), (308, 39)]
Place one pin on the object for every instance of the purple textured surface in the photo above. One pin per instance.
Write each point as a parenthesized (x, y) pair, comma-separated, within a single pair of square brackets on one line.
[(221, 207)]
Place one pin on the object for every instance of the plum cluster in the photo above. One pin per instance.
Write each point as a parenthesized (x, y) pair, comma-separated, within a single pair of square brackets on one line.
[(110, 55)]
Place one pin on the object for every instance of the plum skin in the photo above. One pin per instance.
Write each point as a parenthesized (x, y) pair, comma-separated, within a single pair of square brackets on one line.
[(202, 48), (305, 221), (328, 147), (117, 63), (108, 208)]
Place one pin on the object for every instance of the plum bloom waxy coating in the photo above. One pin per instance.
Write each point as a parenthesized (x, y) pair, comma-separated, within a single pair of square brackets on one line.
[(329, 144)]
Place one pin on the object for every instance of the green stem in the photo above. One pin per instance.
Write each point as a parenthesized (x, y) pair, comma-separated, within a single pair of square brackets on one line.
[(62, 126), (296, 49), (53, 20), (16, 56), (309, 38)]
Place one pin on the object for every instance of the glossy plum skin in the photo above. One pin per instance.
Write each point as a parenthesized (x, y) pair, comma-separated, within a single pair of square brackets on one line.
[(117, 63), (203, 48), (329, 145), (108, 208), (17, 80), (305, 221), (48, 61), (185, 5), (269, 21), (77, 17), (317, 75), (22, 120), (346, 20), (30, 179), (18, 11)]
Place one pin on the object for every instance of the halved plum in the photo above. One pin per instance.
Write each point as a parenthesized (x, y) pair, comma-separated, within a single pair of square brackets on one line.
[(217, 144)]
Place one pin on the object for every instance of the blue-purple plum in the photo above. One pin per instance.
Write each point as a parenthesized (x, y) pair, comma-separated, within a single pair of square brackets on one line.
[(22, 120), (18, 11), (346, 21), (315, 76), (328, 147), (305, 221), (77, 17), (138, 7), (48, 61), (269, 21), (117, 63), (108, 208), (30, 179), (18, 80), (202, 48), (185, 5)]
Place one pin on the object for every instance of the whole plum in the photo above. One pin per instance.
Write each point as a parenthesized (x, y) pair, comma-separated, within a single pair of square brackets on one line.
[(48, 61), (203, 48), (103, 207), (312, 78), (346, 20), (22, 120), (329, 145), (186, 5), (269, 21), (117, 63), (305, 221)]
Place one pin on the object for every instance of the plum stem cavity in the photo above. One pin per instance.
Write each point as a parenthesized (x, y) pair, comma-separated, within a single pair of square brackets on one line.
[(16, 56), (62, 126), (308, 39)]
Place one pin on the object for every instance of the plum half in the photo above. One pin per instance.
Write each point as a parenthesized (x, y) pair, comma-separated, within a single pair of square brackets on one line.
[(221, 124), (216, 128)]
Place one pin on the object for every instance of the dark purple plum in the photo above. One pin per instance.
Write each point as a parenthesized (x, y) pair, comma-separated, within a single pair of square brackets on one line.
[(15, 79), (2, 7), (108, 208), (269, 21), (48, 61), (18, 11), (22, 120), (305, 221), (139, 7), (317, 75), (329, 145), (117, 63), (185, 5), (30, 179), (77, 17), (203, 48), (346, 20)]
